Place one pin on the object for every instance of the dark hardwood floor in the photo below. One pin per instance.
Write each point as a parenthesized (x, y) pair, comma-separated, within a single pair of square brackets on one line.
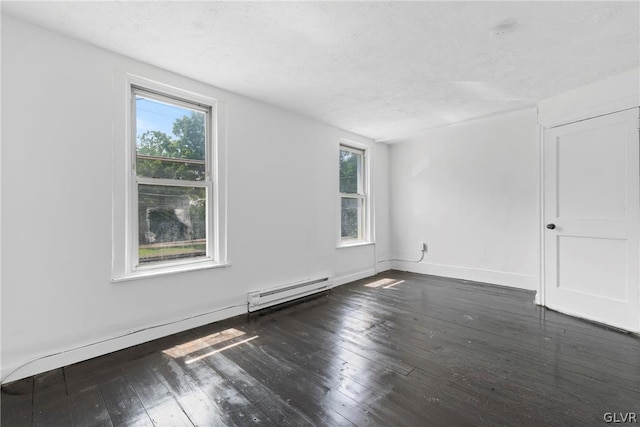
[(414, 350)]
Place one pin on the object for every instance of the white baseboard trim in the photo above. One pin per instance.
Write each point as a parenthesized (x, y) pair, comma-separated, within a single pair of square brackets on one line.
[(347, 278), (383, 266), (538, 299), (514, 280), (60, 358)]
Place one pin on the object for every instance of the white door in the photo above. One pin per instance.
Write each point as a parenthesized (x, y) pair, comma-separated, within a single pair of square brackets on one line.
[(592, 218)]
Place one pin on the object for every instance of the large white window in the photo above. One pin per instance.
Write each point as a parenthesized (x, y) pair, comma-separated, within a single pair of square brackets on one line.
[(173, 206), (354, 203), (173, 183)]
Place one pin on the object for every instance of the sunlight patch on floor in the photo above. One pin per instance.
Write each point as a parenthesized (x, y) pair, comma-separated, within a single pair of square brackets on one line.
[(384, 283), (211, 353), (203, 343), (397, 282)]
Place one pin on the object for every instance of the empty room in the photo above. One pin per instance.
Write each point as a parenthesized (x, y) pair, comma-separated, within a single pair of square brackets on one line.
[(320, 213)]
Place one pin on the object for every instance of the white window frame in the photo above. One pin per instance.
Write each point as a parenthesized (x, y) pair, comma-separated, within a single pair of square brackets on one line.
[(125, 264), (366, 221)]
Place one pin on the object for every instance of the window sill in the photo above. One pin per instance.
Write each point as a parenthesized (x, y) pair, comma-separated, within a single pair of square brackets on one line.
[(354, 244), (163, 271)]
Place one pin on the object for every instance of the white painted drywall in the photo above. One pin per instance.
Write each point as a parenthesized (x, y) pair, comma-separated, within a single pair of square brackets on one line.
[(616, 93), (57, 141), (382, 207), (471, 192)]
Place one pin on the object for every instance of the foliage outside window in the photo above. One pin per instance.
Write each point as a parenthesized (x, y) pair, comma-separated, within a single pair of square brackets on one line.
[(172, 186), (353, 197)]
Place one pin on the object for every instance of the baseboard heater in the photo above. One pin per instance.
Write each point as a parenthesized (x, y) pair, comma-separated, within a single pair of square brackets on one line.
[(269, 297)]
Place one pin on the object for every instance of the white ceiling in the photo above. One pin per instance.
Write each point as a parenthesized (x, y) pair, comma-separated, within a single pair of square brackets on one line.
[(379, 69)]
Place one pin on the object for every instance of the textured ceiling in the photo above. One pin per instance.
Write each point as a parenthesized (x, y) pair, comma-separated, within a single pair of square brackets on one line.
[(379, 69)]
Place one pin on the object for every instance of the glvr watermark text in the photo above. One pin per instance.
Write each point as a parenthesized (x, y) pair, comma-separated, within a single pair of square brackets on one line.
[(620, 417)]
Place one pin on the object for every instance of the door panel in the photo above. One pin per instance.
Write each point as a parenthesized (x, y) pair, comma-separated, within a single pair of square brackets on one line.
[(592, 197), (592, 176), (593, 266)]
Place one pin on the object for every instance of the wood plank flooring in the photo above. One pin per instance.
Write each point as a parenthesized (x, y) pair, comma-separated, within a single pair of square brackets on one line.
[(414, 350)]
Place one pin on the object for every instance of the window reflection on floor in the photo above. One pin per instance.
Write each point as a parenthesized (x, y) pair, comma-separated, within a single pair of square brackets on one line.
[(208, 342), (384, 283)]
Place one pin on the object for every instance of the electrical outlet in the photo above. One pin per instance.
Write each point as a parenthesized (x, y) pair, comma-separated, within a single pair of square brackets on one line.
[(424, 247)]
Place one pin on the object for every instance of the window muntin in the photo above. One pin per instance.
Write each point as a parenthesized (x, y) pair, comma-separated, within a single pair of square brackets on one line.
[(353, 197), (172, 188)]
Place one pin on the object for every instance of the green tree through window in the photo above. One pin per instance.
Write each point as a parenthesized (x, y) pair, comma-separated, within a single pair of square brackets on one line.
[(171, 216), (352, 200)]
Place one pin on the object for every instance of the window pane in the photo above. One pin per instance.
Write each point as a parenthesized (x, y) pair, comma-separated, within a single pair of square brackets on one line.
[(350, 172), (351, 218), (171, 222), (170, 140)]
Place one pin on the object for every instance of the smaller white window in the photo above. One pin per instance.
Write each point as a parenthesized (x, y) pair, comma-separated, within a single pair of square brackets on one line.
[(354, 198)]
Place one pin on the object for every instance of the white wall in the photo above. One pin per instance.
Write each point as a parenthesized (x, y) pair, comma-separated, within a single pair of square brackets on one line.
[(616, 93), (57, 141), (382, 201), (471, 192)]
